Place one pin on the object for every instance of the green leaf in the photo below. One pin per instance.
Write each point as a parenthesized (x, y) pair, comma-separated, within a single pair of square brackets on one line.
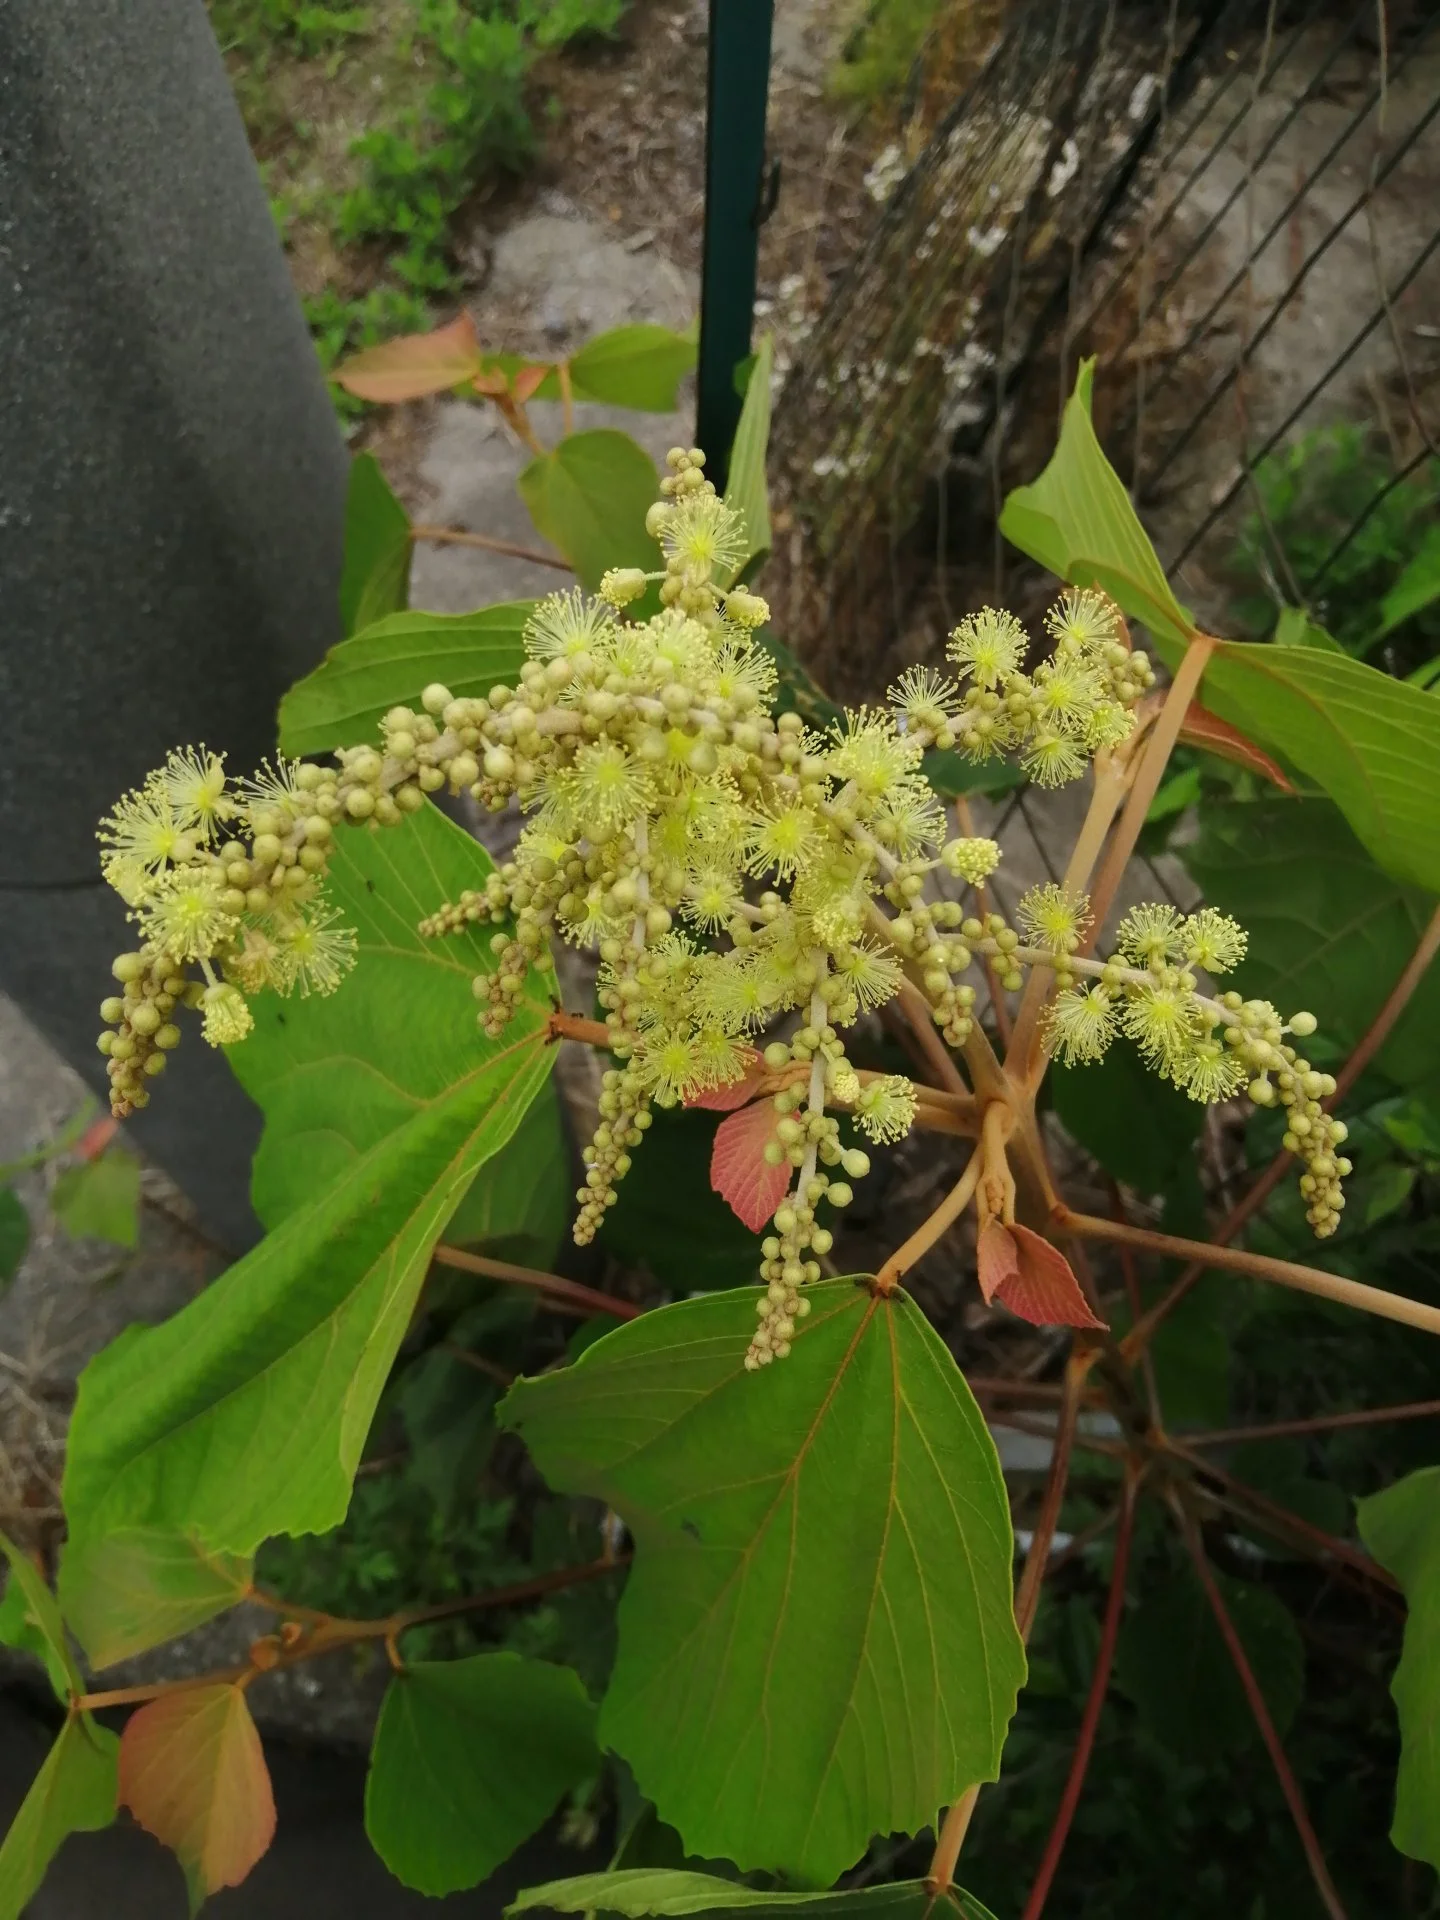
[(100, 1199), (14, 1233), (745, 490), (1401, 1527), (670, 1218), (448, 1409), (74, 1792), (1173, 1663), (375, 578), (518, 1206), (1329, 932), (1371, 742), (589, 496), (794, 688), (1077, 520), (639, 367), (670, 1894), (342, 703), (1138, 1126), (951, 774), (822, 1584), (44, 1630), (128, 1591), (245, 1414), (336, 1075), (1180, 791), (470, 1757), (1417, 588), (1295, 628)]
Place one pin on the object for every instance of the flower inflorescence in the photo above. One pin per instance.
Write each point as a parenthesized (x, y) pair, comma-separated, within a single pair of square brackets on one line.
[(734, 869)]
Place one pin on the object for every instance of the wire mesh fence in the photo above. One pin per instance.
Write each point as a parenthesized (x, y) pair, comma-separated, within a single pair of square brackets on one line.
[(1235, 207)]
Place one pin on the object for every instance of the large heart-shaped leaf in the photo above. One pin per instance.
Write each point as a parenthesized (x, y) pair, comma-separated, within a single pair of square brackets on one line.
[(389, 664), (1329, 932), (245, 1414), (1401, 1527), (334, 1076), (74, 1792), (470, 1756), (670, 1894), (822, 1585), (589, 496)]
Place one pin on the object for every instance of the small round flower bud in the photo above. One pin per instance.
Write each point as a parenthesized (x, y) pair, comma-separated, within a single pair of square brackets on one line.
[(436, 698)]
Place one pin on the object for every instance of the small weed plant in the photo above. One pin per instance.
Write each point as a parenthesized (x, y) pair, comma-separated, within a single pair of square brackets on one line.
[(821, 1633)]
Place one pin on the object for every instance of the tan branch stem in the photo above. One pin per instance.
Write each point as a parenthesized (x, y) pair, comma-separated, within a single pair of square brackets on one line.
[(929, 1231), (1113, 775), (965, 821), (1320, 1423), (1149, 771), (568, 1292), (330, 1632), (1032, 1574), (460, 537), (1285, 1273), (1289, 1786)]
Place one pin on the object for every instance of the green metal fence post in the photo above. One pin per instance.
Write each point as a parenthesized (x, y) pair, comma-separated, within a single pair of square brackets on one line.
[(736, 189)]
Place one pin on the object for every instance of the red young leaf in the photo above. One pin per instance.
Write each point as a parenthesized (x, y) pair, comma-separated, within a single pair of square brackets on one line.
[(527, 379), (97, 1136), (414, 365), (739, 1171), (997, 1260), (1201, 728), (735, 1093), (192, 1772), (1031, 1278)]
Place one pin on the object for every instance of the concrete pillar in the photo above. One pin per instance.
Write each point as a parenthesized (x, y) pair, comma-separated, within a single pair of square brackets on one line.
[(171, 500)]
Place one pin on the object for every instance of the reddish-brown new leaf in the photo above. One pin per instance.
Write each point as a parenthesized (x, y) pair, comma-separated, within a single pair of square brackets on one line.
[(735, 1093), (739, 1171), (1201, 728), (192, 1772), (97, 1137), (1030, 1278), (414, 365)]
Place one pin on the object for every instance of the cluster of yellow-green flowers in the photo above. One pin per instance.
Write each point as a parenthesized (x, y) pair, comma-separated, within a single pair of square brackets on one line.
[(1212, 1047), (735, 870), (224, 884)]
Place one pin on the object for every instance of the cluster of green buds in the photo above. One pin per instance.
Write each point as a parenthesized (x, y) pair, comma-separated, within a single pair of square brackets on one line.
[(735, 871)]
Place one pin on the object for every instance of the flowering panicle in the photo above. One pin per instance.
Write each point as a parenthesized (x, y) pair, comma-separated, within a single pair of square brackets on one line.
[(224, 883), (733, 869), (1074, 705)]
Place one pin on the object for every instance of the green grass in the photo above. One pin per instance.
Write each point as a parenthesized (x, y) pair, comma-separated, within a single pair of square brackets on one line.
[(443, 94)]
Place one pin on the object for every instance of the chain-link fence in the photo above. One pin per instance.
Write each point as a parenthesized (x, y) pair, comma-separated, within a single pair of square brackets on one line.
[(1236, 207)]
